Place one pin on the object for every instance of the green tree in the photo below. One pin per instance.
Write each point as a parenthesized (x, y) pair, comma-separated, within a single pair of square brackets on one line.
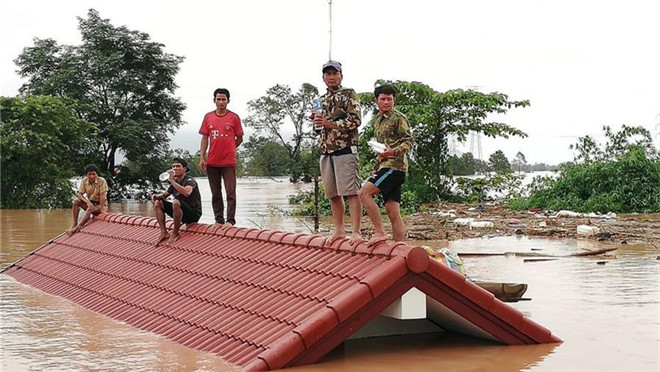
[(280, 108), (465, 165), (433, 117), (519, 162), (43, 143), (616, 144), (265, 157), (499, 163), (123, 81)]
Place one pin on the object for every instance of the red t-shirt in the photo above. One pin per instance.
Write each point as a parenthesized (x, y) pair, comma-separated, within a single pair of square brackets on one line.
[(222, 132)]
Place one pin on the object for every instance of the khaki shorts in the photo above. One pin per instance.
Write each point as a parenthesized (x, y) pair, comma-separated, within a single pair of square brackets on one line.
[(340, 175)]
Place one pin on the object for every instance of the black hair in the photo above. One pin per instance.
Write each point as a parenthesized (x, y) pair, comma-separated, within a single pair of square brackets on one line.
[(221, 91), (181, 161), (385, 89), (92, 168)]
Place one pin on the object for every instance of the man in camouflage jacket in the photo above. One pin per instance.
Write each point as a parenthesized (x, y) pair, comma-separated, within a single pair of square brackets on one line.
[(337, 126), (390, 128)]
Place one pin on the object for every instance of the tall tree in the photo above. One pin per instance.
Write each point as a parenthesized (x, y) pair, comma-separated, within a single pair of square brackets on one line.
[(280, 109), (499, 163), (616, 145), (434, 116), (519, 161), (123, 81), (265, 157), (42, 143)]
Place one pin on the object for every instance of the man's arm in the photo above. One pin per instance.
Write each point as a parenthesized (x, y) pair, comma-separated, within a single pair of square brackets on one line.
[(184, 190), (162, 196), (239, 140), (402, 145), (202, 153), (405, 142)]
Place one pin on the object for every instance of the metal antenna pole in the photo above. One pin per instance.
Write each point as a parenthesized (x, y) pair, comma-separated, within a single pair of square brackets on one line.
[(330, 31)]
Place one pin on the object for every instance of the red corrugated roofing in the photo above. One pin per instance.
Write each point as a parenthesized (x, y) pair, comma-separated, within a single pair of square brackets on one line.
[(259, 299)]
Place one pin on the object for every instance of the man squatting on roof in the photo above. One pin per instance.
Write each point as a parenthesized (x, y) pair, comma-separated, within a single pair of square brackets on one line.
[(186, 206), (91, 197)]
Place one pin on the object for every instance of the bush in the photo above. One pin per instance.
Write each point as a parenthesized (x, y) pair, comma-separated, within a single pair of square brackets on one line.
[(631, 183), (304, 202)]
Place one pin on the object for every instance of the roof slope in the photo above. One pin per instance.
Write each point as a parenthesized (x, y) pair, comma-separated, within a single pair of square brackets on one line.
[(259, 299)]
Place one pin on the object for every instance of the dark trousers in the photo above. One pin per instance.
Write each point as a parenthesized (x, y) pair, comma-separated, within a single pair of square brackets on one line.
[(216, 175)]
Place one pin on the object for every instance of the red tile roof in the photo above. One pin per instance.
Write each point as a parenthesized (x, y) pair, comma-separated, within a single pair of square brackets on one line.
[(259, 299)]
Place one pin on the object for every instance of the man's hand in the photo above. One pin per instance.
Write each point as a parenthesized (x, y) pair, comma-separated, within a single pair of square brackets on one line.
[(320, 121), (202, 165), (388, 153), (155, 197)]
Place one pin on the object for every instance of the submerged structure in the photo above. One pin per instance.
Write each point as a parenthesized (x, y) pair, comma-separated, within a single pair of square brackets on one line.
[(262, 299)]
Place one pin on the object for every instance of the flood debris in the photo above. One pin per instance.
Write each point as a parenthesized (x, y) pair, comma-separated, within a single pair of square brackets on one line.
[(450, 221)]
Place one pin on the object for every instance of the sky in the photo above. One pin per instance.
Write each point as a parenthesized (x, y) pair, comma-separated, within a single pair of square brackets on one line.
[(582, 63)]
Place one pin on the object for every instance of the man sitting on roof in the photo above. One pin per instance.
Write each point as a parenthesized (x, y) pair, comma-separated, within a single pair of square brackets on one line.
[(91, 197), (186, 206)]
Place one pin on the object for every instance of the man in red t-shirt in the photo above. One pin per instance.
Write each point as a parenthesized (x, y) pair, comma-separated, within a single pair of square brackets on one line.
[(221, 134)]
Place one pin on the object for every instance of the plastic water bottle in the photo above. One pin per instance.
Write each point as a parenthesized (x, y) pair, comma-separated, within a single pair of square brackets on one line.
[(317, 106), (317, 109)]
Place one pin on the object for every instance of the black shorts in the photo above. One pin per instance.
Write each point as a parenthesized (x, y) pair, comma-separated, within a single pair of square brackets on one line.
[(189, 214), (389, 183)]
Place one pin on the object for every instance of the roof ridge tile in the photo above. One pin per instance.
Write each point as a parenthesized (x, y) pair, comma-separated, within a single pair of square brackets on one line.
[(349, 301)]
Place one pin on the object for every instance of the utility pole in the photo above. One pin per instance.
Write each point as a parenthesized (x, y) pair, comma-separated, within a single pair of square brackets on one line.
[(330, 31)]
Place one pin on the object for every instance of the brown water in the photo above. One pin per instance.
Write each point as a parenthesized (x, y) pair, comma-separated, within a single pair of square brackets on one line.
[(607, 314)]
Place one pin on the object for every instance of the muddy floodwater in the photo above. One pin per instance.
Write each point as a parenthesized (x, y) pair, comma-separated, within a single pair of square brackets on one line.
[(605, 309)]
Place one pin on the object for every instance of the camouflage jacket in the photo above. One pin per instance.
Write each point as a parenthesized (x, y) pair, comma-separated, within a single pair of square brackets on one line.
[(342, 107), (392, 129)]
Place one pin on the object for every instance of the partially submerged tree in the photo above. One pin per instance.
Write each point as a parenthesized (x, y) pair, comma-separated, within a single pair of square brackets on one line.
[(43, 144), (123, 81), (519, 161), (499, 163), (281, 109)]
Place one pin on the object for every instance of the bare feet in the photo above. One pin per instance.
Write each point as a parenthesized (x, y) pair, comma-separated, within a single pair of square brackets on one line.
[(219, 225), (376, 239), (355, 238), (163, 235), (336, 236), (72, 230), (173, 238)]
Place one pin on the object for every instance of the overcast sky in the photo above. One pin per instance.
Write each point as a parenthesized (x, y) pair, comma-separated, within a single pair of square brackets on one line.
[(582, 64)]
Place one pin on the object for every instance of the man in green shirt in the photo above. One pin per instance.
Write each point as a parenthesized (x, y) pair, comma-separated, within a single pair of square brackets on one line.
[(390, 128)]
